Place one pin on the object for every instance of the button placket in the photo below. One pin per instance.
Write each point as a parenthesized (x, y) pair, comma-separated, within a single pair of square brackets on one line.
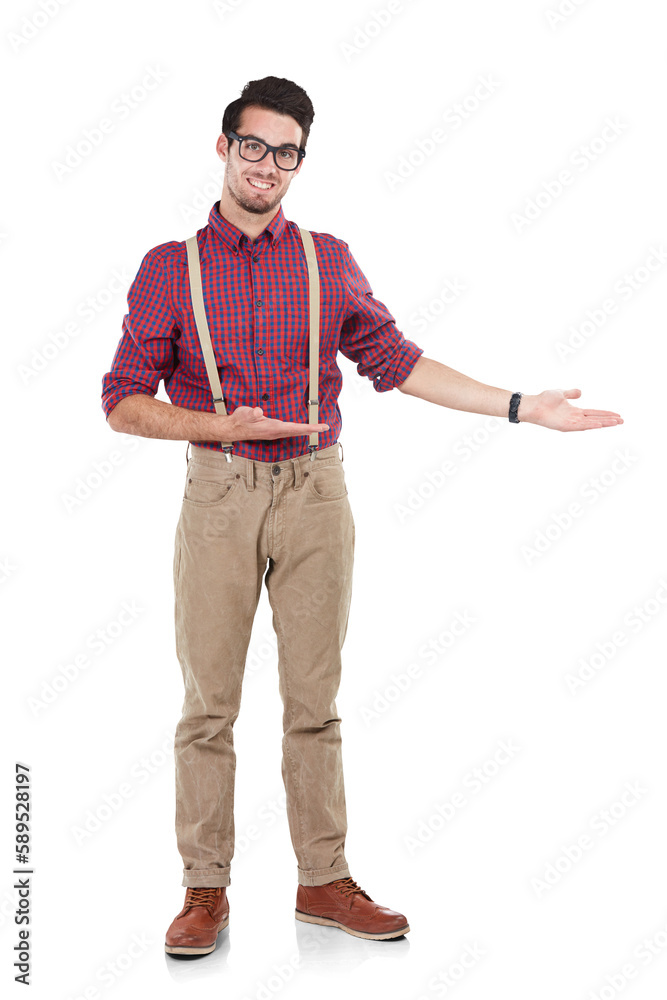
[(256, 286)]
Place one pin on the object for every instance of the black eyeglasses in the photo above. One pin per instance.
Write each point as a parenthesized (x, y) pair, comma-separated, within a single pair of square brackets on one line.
[(251, 148)]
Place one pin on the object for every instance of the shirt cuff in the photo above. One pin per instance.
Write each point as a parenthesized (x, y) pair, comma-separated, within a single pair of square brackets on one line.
[(111, 399), (398, 367)]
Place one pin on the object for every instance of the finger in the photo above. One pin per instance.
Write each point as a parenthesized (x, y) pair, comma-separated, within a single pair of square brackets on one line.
[(294, 429), (593, 424), (601, 413), (309, 427), (572, 393)]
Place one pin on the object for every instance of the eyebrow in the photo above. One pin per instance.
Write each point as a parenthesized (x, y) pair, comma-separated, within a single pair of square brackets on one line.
[(283, 145)]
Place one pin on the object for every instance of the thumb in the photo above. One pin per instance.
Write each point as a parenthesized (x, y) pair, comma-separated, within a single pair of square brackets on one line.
[(572, 393)]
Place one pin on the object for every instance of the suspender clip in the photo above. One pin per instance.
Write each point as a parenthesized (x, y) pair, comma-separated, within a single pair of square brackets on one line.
[(228, 452), (313, 449)]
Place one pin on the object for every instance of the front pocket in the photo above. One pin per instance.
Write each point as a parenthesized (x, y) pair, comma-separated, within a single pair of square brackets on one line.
[(207, 492), (327, 482)]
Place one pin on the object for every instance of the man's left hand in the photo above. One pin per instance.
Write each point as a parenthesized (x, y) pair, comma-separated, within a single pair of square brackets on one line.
[(552, 409)]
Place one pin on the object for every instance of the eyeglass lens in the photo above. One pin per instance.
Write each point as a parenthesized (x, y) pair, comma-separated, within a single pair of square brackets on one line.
[(253, 149)]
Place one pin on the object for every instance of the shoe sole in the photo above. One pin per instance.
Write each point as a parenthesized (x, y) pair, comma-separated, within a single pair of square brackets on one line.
[(178, 949), (328, 922)]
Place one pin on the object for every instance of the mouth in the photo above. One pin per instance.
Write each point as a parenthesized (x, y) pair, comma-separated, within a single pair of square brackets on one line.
[(259, 185)]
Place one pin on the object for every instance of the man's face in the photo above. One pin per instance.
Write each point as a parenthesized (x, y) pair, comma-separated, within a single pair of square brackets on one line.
[(240, 174)]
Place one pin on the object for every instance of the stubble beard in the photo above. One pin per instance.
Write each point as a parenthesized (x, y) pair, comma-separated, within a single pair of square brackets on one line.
[(255, 208)]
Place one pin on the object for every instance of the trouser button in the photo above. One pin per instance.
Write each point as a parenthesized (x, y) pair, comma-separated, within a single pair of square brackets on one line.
[(275, 469)]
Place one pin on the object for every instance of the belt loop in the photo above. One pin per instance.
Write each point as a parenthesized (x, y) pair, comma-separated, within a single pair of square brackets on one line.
[(297, 473), (186, 453), (250, 478), (341, 451)]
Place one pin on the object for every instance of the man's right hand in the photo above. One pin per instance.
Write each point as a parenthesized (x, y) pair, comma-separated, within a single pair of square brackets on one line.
[(140, 413), (248, 423)]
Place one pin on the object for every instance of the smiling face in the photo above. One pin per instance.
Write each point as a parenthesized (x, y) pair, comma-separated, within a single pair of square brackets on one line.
[(257, 188)]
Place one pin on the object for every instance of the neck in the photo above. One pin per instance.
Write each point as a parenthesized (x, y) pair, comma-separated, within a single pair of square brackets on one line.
[(249, 223)]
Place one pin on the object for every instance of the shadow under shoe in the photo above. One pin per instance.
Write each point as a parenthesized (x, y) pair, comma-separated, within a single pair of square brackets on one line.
[(194, 931), (344, 904)]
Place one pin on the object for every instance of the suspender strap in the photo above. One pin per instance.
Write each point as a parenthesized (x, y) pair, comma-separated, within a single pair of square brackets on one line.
[(314, 327), (197, 295)]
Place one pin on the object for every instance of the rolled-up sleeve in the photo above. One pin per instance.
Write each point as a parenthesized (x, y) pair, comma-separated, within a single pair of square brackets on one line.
[(145, 354), (369, 335)]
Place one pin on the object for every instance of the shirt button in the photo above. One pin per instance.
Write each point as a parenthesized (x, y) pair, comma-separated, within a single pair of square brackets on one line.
[(260, 351), (259, 303), (255, 258), (265, 395)]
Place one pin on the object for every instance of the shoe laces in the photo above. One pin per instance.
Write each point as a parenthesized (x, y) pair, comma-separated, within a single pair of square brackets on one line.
[(201, 896), (348, 886)]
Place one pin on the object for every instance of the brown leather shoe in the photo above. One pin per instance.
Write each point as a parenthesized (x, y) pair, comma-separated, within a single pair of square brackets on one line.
[(343, 904), (194, 931)]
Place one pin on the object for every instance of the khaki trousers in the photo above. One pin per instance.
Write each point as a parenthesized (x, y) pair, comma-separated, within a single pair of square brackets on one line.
[(237, 516)]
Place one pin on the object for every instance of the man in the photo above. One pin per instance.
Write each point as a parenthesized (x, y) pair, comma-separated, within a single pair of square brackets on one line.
[(271, 499)]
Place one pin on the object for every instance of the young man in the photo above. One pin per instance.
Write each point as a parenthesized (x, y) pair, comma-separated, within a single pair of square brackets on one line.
[(271, 498)]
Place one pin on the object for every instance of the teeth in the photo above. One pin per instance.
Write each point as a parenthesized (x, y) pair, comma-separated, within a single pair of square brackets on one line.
[(259, 184)]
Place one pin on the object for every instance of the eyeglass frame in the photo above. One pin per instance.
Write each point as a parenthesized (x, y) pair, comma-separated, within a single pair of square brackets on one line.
[(269, 149)]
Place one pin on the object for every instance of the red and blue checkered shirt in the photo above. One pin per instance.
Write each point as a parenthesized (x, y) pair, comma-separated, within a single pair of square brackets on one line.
[(256, 298)]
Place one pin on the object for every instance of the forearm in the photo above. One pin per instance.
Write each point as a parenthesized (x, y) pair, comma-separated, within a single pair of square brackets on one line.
[(436, 383), (152, 418)]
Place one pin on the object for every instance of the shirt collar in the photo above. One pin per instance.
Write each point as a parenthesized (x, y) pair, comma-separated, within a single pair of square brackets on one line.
[(231, 235)]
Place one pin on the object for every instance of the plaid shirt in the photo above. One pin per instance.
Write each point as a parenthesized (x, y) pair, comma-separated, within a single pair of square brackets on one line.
[(256, 298)]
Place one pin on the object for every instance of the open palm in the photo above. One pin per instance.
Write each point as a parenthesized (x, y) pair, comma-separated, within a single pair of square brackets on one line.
[(552, 409)]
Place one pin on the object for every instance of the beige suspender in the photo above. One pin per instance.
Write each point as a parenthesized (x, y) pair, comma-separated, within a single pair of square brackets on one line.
[(197, 295), (204, 333), (314, 327)]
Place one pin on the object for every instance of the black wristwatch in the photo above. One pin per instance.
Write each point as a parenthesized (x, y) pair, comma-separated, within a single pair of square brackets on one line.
[(514, 406)]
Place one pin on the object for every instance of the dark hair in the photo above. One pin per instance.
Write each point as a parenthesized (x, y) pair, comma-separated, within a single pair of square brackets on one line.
[(275, 94)]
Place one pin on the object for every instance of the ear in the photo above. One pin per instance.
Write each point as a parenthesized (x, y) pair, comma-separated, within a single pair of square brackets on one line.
[(222, 147)]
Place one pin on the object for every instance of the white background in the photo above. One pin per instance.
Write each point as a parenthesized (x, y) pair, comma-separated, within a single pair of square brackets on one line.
[(470, 544)]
